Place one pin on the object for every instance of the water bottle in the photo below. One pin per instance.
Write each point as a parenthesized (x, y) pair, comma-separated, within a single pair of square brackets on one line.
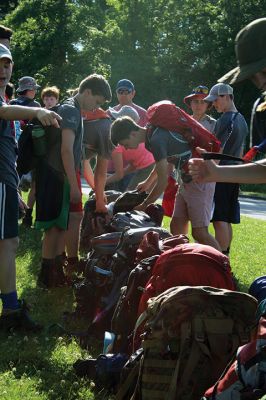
[(39, 141), (109, 338), (251, 154)]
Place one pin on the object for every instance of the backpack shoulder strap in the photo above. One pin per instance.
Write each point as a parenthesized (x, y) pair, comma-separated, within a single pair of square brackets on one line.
[(17, 102), (230, 127)]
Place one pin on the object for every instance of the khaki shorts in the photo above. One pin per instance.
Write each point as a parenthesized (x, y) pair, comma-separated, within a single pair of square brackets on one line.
[(194, 202)]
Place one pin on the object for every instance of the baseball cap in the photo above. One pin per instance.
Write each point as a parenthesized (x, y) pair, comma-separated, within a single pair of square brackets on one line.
[(258, 288), (125, 84), (5, 52), (198, 92), (220, 89), (27, 83), (125, 111), (250, 52)]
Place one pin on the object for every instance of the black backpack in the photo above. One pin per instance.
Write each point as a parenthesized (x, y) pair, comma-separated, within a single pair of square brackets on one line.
[(26, 159), (27, 156)]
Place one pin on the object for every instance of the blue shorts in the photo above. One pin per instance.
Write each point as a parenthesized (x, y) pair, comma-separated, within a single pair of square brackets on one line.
[(8, 212), (226, 204)]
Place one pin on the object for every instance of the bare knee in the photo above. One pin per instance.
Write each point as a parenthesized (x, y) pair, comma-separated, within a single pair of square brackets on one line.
[(9, 245)]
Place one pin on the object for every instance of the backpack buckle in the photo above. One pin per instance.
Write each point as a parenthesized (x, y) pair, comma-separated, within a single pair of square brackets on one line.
[(199, 337)]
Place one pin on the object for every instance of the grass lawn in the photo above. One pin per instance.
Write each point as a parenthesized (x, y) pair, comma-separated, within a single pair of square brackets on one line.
[(40, 367)]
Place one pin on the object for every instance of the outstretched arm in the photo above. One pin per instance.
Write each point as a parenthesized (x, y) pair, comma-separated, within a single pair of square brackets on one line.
[(208, 171), (46, 117)]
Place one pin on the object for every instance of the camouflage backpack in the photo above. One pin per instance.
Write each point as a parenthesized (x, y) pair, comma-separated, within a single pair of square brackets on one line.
[(190, 335)]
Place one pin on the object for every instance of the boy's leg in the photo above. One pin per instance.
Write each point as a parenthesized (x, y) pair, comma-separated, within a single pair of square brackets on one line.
[(227, 211), (52, 211), (202, 235), (72, 237), (27, 220), (52, 274), (8, 248), (199, 198), (73, 233), (179, 222), (223, 234), (14, 313)]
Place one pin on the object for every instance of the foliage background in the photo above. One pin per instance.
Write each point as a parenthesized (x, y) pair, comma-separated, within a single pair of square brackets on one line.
[(165, 47)]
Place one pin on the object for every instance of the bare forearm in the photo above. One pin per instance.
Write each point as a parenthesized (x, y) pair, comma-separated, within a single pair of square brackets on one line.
[(156, 192), (100, 179), (151, 180), (88, 173), (129, 169), (69, 166), (46, 117), (18, 112), (114, 178), (249, 173)]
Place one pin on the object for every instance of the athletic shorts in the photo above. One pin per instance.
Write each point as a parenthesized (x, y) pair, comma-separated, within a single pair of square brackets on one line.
[(77, 207), (227, 208), (52, 198), (194, 202), (8, 212)]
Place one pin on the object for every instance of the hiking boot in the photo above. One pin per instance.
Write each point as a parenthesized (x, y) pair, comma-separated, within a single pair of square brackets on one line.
[(59, 276), (51, 276), (27, 220), (71, 273), (45, 277), (19, 320)]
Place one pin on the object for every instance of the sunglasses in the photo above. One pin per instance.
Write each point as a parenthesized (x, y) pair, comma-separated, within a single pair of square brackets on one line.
[(200, 90), (123, 91)]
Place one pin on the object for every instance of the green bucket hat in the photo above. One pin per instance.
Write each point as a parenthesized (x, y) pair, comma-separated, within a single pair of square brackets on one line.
[(250, 51)]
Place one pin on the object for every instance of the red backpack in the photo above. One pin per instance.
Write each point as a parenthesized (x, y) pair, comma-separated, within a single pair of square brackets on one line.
[(190, 264), (167, 115)]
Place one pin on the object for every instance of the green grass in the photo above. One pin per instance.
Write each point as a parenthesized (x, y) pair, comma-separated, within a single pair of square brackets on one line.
[(40, 367)]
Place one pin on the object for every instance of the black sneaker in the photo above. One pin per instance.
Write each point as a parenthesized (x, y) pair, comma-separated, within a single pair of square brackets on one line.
[(19, 320)]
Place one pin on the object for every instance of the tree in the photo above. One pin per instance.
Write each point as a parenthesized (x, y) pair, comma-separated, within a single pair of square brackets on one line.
[(51, 39)]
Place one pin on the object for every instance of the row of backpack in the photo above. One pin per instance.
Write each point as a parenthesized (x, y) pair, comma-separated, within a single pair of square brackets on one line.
[(111, 246), (173, 310)]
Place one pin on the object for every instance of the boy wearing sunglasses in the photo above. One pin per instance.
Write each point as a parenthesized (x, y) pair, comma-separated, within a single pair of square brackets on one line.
[(251, 64)]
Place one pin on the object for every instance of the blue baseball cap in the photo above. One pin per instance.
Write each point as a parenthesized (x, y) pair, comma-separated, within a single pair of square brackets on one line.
[(125, 84), (258, 288)]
